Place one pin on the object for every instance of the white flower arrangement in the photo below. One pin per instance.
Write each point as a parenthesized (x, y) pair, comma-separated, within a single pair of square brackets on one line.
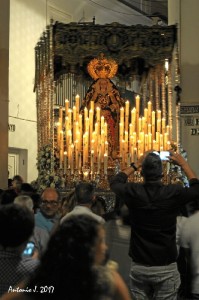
[(48, 165)]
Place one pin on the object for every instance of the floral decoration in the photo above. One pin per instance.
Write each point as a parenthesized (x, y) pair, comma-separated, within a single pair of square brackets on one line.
[(48, 169)]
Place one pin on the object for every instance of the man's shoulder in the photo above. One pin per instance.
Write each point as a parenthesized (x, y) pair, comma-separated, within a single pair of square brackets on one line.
[(80, 210), (39, 215)]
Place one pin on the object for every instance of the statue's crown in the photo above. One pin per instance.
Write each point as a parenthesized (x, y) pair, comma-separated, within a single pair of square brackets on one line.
[(102, 67)]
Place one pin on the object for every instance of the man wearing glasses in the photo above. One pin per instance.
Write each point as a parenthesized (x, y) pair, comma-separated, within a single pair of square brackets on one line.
[(48, 215)]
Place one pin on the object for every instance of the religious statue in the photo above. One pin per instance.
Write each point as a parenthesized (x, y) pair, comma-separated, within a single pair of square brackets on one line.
[(106, 96)]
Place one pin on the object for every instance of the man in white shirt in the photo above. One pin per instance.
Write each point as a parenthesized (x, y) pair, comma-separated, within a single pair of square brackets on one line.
[(84, 193), (189, 242)]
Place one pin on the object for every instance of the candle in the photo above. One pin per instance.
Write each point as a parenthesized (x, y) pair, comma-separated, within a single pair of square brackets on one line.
[(149, 141), (106, 147), (126, 115), (130, 129), (146, 114), (153, 125), (85, 117), (72, 159), (149, 128), (92, 105), (74, 113), (158, 141), (66, 107), (105, 163), (102, 123), (61, 145), (137, 106), (60, 113), (139, 150), (90, 123), (149, 112), (165, 140), (126, 141), (80, 132), (102, 144), (139, 125), (76, 154), (144, 127), (92, 162), (105, 131), (163, 125), (69, 118), (98, 114), (80, 161), (158, 125), (122, 115), (159, 114), (146, 142), (98, 162), (133, 117), (161, 142), (65, 161), (131, 147), (77, 102), (87, 125)]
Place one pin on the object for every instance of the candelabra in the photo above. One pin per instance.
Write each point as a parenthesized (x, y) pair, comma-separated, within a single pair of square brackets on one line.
[(85, 146)]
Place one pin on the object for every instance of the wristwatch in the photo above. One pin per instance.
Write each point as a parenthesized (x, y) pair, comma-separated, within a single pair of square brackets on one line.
[(133, 166)]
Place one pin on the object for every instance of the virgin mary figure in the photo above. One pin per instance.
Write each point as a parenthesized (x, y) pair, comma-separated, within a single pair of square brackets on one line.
[(105, 95)]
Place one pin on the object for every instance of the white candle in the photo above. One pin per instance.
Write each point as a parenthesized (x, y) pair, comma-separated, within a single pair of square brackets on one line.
[(105, 163)]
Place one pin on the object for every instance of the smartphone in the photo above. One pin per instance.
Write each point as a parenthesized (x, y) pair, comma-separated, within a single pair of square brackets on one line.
[(164, 155), (29, 250)]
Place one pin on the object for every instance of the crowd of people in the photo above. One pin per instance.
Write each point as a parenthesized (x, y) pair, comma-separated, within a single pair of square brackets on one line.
[(61, 246)]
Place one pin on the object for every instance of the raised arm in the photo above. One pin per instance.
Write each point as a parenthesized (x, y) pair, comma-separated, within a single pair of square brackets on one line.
[(179, 160)]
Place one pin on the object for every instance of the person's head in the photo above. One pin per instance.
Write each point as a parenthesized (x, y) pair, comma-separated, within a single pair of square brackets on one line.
[(26, 189), (73, 252), (16, 225), (24, 200), (9, 183), (8, 196), (99, 206), (17, 182), (68, 203), (50, 202), (84, 193), (152, 167), (84, 239), (36, 202)]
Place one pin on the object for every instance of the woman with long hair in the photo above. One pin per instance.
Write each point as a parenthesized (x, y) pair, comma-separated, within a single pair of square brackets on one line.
[(73, 266)]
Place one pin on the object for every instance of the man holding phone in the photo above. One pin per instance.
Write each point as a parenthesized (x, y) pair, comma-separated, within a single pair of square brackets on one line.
[(153, 209), (16, 226)]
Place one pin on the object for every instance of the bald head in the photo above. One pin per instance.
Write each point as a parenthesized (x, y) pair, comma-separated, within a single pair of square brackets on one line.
[(50, 202)]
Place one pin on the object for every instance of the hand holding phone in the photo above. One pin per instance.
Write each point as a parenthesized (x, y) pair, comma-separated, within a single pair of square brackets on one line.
[(164, 155), (29, 250)]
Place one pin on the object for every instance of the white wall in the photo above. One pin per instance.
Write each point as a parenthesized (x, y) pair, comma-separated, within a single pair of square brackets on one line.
[(185, 14), (28, 20)]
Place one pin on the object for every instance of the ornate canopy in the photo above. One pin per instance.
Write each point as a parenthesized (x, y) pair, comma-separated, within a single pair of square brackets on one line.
[(135, 48)]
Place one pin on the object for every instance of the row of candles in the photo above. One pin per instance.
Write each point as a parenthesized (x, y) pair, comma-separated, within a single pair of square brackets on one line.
[(83, 140)]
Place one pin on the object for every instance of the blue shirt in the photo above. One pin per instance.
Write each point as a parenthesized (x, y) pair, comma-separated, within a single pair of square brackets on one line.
[(46, 223)]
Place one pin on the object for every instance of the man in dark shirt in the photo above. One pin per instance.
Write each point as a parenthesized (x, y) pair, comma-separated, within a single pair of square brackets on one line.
[(153, 209)]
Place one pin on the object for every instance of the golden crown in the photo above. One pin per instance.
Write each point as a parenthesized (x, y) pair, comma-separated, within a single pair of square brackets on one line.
[(102, 67)]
